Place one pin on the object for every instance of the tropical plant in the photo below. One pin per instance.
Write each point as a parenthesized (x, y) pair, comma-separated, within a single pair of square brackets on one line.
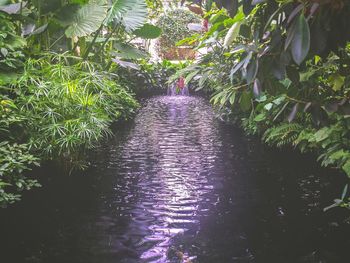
[(15, 158), (69, 108), (11, 49), (281, 69), (58, 96)]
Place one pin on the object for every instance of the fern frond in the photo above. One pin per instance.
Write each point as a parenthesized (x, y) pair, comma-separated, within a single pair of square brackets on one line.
[(284, 134)]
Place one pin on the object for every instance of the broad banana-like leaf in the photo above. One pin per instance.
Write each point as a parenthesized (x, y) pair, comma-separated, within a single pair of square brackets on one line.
[(86, 20)]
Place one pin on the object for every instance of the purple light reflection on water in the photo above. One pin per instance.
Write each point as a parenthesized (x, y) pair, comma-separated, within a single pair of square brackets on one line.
[(178, 130), (177, 185)]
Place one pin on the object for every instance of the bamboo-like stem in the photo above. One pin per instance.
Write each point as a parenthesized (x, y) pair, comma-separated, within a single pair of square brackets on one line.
[(115, 29), (87, 52)]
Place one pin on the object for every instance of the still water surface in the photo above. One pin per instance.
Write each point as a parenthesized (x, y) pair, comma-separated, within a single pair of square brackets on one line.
[(180, 186)]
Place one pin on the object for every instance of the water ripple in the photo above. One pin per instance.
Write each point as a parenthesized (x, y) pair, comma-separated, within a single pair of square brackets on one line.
[(168, 157)]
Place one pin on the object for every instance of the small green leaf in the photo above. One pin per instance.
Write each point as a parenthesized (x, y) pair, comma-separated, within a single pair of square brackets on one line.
[(268, 106), (323, 134), (346, 168), (259, 117), (336, 81), (245, 102), (4, 51), (232, 98)]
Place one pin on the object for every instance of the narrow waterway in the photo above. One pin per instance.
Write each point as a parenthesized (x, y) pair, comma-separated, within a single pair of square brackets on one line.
[(177, 185)]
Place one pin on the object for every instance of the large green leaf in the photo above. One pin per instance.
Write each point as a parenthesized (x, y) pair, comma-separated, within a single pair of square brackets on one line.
[(336, 81), (301, 40), (148, 31), (86, 20), (130, 13), (136, 17), (117, 9)]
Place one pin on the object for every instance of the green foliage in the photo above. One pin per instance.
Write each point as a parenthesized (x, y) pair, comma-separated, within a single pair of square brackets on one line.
[(69, 108), (59, 90), (11, 45), (282, 135), (174, 25), (155, 7), (58, 112), (86, 20), (151, 78), (281, 68), (14, 160)]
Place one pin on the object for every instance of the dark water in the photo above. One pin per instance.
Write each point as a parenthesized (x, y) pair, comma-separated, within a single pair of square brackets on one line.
[(179, 186)]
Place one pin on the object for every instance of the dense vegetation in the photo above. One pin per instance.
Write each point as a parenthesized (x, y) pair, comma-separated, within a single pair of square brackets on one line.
[(281, 70), (62, 71), (174, 25), (68, 70)]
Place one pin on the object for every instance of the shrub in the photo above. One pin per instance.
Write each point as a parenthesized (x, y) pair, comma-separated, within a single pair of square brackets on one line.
[(69, 108), (55, 111), (15, 158)]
